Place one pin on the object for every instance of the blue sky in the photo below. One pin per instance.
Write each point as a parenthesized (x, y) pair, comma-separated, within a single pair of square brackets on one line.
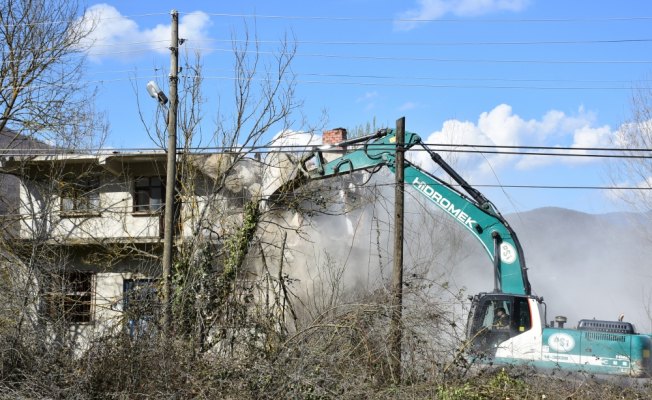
[(474, 72)]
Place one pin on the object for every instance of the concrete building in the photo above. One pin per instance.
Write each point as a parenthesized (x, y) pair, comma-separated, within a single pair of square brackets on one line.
[(91, 228)]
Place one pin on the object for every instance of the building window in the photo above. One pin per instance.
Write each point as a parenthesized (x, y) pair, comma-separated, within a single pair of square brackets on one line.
[(140, 306), (72, 297), (81, 197), (149, 194)]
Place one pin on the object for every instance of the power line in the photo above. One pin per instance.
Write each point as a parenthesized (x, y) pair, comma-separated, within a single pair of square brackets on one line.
[(445, 86), (313, 18), (432, 78), (543, 187), (434, 59), (84, 50), (425, 85), (555, 154), (380, 84), (434, 86), (150, 43), (493, 146), (358, 57), (599, 152), (443, 20), (146, 46), (368, 76), (70, 21), (565, 187), (458, 43)]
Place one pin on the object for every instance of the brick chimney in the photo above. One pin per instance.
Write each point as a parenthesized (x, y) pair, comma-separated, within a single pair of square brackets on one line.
[(331, 137), (334, 136)]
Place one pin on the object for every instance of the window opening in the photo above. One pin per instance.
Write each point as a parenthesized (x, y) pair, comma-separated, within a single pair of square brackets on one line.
[(72, 297), (140, 305), (497, 314), (149, 194), (81, 196)]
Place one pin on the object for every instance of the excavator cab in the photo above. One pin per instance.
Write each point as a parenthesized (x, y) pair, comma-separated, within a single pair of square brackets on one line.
[(494, 319)]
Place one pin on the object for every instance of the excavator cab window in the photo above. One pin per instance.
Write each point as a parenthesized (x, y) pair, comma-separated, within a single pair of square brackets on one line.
[(497, 318), (523, 321), (496, 314)]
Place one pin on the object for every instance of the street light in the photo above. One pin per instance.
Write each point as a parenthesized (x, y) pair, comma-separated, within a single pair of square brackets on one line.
[(171, 167), (156, 93), (170, 186)]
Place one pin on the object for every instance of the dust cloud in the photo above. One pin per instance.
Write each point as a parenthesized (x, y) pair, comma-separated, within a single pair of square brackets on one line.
[(585, 266)]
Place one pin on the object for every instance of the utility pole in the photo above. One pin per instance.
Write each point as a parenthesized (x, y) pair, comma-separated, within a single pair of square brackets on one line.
[(171, 176), (396, 324)]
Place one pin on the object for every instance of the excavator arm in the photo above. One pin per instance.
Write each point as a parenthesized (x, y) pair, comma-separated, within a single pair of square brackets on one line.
[(471, 210)]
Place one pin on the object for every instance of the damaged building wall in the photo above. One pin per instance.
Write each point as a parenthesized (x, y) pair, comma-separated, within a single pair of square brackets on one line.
[(316, 233)]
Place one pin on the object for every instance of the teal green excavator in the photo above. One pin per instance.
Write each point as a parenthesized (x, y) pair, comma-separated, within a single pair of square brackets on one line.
[(507, 325)]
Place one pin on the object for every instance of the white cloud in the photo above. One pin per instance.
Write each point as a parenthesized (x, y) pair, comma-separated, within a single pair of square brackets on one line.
[(584, 136), (502, 127), (193, 26), (409, 105), (587, 136), (117, 36), (369, 100), (367, 96), (435, 9)]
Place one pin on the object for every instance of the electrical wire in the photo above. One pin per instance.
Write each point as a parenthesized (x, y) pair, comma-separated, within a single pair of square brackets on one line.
[(69, 21), (459, 43), (376, 57), (295, 147), (473, 21), (592, 152), (164, 43), (313, 18), (379, 84), (545, 187), (433, 59)]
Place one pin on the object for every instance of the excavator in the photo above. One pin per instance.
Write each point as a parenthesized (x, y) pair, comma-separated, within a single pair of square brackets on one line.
[(507, 325)]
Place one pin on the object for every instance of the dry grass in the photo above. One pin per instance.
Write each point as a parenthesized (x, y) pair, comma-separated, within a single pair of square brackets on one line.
[(342, 354)]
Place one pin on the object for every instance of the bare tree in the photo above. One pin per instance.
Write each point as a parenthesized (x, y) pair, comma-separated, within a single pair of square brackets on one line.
[(636, 133), (45, 108), (41, 90)]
